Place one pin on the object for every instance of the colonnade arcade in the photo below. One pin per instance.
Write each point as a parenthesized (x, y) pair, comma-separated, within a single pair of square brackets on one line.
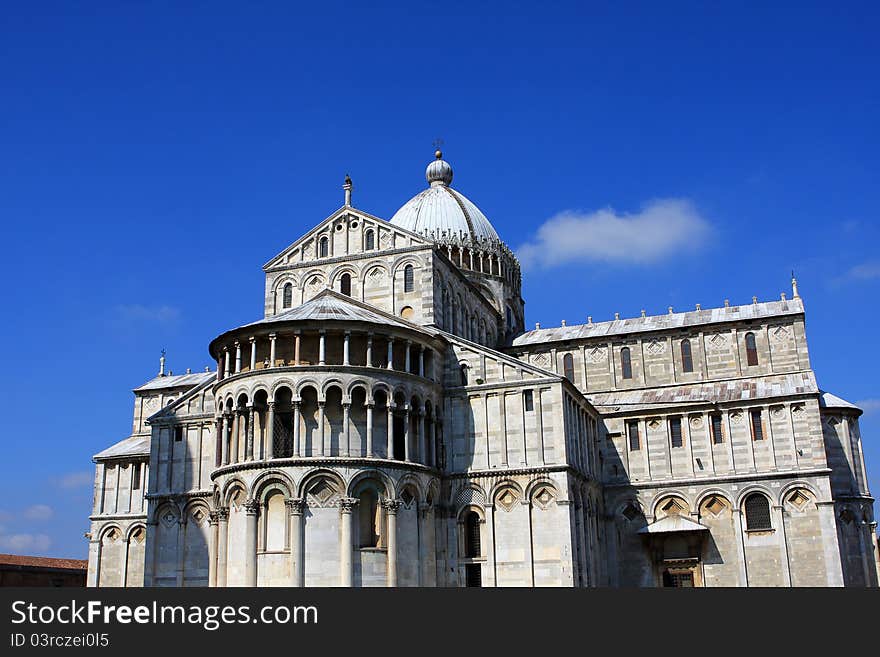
[(320, 346), (366, 420)]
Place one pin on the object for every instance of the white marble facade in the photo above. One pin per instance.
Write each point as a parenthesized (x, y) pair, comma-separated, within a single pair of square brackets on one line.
[(389, 422)]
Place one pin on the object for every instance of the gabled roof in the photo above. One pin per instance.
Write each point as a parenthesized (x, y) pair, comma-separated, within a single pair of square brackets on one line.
[(184, 398), (175, 381), (662, 322), (827, 400), (345, 209), (136, 445), (501, 356)]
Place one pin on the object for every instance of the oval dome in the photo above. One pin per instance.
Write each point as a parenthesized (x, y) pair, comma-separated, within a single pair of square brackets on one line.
[(441, 211)]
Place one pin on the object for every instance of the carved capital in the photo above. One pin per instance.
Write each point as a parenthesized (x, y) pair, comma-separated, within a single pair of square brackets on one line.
[(213, 518), (348, 504), (252, 507), (222, 513), (391, 506), (295, 506)]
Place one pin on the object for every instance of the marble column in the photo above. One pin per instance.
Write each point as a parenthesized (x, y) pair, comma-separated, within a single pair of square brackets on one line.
[(322, 347), (237, 357), (369, 406), (391, 507), (296, 348), (253, 342), (214, 523), (298, 449), (390, 438), (270, 431), (249, 440), (406, 363), (390, 353), (346, 423), (238, 414), (406, 411), (252, 510), (227, 358), (321, 430), (421, 361), (369, 349), (346, 342), (295, 507), (222, 544), (224, 441), (346, 557), (272, 338)]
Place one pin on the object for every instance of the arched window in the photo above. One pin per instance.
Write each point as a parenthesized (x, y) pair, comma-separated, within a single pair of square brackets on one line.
[(757, 508), (568, 367), (324, 247), (464, 374), (408, 279), (369, 240), (345, 284), (368, 519), (626, 367), (287, 296), (472, 544), (687, 359), (751, 349)]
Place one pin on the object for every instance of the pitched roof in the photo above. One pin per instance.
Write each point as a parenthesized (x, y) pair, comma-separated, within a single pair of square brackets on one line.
[(778, 385), (662, 322), (136, 445), (827, 400), (42, 562), (176, 381)]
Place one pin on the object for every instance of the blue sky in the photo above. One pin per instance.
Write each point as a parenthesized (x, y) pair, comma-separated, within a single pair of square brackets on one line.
[(154, 155)]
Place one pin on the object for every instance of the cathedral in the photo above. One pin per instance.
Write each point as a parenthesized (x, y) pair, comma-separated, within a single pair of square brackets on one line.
[(389, 421)]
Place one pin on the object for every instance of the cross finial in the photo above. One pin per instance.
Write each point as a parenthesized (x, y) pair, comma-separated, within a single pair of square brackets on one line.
[(438, 142), (162, 363)]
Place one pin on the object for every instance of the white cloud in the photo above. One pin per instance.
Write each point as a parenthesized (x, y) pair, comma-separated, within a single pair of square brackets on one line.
[(865, 271), (661, 229), (869, 405), (25, 543), (38, 512), (81, 479), (138, 313)]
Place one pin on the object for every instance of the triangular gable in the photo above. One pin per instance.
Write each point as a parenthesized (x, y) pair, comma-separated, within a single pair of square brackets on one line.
[(170, 409), (501, 357), (286, 256)]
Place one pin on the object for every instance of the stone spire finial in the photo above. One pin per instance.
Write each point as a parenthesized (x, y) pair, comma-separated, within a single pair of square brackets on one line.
[(644, 314), (794, 290), (162, 363), (755, 300), (347, 186)]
